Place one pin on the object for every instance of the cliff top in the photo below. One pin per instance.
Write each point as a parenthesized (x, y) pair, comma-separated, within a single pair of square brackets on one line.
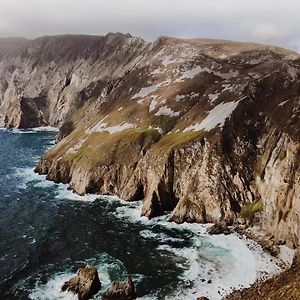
[(82, 44)]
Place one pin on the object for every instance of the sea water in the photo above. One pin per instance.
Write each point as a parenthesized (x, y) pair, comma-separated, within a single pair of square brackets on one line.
[(47, 233)]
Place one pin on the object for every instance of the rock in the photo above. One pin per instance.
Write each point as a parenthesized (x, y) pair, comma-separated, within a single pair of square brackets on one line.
[(179, 154), (219, 228), (202, 298), (85, 284), (120, 291)]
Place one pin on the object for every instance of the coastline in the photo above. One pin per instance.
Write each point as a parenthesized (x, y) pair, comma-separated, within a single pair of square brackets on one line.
[(130, 210), (285, 285)]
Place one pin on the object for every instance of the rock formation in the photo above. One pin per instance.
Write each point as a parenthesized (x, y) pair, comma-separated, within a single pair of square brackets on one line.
[(205, 129), (219, 228), (120, 291), (85, 284)]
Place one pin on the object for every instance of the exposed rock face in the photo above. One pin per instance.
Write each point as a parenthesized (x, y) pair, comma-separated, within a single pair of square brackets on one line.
[(44, 80), (85, 284), (204, 129), (120, 291), (219, 228)]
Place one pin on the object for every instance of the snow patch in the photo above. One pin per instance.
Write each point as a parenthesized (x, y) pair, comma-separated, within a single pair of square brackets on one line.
[(166, 111), (157, 71), (169, 60), (76, 147), (226, 87), (216, 117), (160, 131), (179, 97), (213, 97), (120, 127), (192, 73), (283, 103), (286, 254), (101, 127), (144, 92), (152, 105)]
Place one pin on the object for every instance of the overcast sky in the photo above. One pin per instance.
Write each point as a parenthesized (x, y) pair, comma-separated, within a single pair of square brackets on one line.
[(267, 21)]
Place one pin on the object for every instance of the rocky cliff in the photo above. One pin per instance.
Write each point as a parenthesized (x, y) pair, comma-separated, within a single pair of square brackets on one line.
[(207, 130)]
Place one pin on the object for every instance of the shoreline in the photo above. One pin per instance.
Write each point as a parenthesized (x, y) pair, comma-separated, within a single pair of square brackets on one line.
[(158, 220), (285, 285)]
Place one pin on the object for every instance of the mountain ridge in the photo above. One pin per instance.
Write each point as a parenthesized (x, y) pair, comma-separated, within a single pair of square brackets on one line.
[(206, 130)]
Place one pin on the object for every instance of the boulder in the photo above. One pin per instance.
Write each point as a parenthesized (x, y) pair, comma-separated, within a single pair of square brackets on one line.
[(219, 228), (85, 284), (120, 291), (202, 298)]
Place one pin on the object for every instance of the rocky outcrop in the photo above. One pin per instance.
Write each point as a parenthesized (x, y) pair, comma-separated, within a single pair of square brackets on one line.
[(219, 228), (120, 291), (206, 130), (44, 80), (85, 284)]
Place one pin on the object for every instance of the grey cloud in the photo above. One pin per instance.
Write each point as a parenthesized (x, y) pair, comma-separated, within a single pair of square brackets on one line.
[(267, 21)]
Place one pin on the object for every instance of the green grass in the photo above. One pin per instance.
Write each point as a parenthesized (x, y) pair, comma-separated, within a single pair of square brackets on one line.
[(169, 141), (249, 210)]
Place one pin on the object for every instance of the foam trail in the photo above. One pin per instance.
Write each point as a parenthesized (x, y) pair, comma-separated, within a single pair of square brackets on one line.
[(31, 130), (27, 175), (104, 264), (51, 290), (228, 262)]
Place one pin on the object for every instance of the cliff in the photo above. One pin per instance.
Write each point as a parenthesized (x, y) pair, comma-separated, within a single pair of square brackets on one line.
[(205, 129)]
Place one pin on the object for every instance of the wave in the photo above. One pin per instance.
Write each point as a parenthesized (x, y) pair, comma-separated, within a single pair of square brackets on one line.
[(105, 264), (28, 176), (215, 264), (212, 265), (30, 130)]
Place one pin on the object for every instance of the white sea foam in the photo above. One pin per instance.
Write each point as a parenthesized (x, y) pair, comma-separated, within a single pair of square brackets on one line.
[(64, 193), (149, 234), (27, 175), (52, 289), (31, 130), (228, 262)]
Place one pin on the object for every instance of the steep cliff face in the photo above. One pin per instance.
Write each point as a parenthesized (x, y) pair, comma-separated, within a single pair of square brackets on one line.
[(207, 130), (44, 80)]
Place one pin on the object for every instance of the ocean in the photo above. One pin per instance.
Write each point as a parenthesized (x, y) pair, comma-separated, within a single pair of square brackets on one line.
[(47, 233)]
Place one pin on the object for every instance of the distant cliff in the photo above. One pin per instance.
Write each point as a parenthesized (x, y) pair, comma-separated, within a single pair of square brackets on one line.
[(205, 129)]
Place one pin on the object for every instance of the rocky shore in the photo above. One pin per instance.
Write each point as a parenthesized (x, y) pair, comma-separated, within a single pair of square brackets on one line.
[(207, 130), (285, 286), (85, 284)]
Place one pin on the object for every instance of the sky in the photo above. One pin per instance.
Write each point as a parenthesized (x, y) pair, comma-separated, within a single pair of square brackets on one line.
[(266, 21)]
